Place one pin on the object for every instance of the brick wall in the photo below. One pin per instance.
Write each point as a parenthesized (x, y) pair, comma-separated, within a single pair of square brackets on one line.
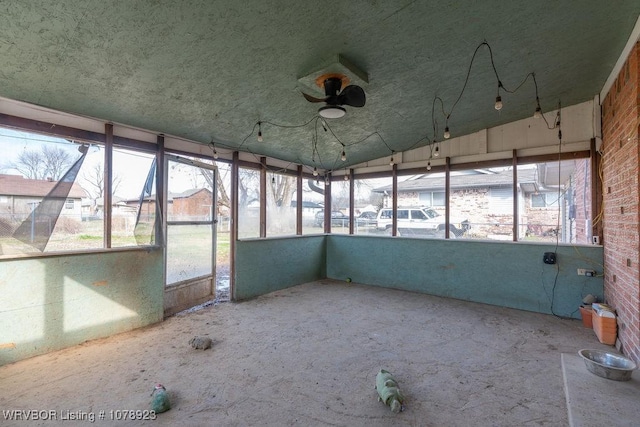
[(194, 207), (621, 231)]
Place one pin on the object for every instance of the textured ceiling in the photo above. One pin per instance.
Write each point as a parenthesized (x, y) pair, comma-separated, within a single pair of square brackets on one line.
[(207, 69)]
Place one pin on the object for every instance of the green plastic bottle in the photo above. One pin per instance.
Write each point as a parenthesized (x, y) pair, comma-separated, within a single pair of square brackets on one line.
[(160, 402)]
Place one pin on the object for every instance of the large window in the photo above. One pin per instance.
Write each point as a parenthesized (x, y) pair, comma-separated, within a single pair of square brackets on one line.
[(484, 198), (281, 212), (340, 206), (312, 205), (248, 203), (46, 202), (555, 201), (129, 205), (369, 195)]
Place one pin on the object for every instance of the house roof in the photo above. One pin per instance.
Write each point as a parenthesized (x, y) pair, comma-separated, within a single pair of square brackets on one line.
[(189, 193), (17, 185)]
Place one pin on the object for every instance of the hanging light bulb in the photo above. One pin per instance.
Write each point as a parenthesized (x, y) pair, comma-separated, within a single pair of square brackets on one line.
[(215, 154), (343, 157), (346, 177), (447, 134), (498, 104), (260, 139), (538, 113), (315, 171), (429, 165), (273, 179), (436, 151), (391, 161)]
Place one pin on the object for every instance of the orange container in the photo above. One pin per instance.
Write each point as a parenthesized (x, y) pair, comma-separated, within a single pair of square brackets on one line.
[(587, 319), (606, 328)]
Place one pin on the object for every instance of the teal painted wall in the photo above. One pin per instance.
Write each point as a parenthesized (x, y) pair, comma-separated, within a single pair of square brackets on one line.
[(267, 265), (498, 273), (53, 302)]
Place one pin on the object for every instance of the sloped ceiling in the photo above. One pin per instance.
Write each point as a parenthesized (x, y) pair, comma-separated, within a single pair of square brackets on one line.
[(210, 70)]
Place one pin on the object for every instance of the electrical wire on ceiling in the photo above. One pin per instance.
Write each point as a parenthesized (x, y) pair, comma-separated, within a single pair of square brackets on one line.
[(431, 140)]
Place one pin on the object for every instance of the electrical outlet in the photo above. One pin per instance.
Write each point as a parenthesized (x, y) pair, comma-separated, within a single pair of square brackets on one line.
[(586, 272), (549, 258)]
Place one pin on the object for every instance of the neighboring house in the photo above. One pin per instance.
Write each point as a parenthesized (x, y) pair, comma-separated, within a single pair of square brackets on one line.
[(190, 205), (19, 196), (485, 198)]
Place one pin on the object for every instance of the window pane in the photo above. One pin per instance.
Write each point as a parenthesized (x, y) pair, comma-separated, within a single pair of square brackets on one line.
[(281, 212), (368, 202), (340, 206), (248, 203), (421, 215), (188, 252), (555, 201), (35, 166), (483, 197), (130, 173), (312, 205)]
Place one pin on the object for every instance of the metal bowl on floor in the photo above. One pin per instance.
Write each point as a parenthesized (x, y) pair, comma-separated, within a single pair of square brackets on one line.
[(608, 365)]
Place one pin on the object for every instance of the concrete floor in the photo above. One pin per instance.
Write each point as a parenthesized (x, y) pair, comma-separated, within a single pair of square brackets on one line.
[(309, 355)]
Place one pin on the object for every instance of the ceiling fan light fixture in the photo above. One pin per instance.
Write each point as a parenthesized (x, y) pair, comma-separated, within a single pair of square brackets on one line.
[(332, 112)]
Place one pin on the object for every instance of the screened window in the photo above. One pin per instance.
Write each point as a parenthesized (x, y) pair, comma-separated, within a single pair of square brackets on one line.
[(248, 203), (555, 201), (340, 206), (281, 211), (131, 204), (368, 201), (312, 205), (45, 205), (482, 203)]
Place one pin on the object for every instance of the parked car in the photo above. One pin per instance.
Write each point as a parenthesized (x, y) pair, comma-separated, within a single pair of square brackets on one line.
[(367, 218), (337, 219), (421, 221)]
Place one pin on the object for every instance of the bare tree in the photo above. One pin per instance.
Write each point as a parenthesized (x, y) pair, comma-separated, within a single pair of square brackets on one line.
[(93, 181), (282, 188), (48, 163)]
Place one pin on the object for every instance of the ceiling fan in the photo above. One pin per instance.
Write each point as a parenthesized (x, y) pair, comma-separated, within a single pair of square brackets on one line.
[(336, 97)]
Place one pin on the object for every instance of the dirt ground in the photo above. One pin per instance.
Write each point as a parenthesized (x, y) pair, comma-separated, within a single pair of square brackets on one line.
[(308, 356)]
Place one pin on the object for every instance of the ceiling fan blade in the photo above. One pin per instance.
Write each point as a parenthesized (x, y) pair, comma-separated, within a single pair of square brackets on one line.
[(313, 98), (352, 95)]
